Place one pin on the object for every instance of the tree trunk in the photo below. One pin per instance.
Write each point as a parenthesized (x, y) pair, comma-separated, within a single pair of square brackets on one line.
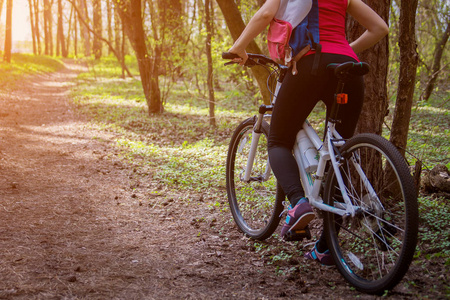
[(8, 31), (75, 33), (408, 68), (1, 7), (97, 44), (109, 23), (48, 32), (46, 51), (236, 25), (72, 20), (131, 14), (60, 32), (436, 68), (33, 32), (375, 105), (84, 32), (210, 80), (36, 26)]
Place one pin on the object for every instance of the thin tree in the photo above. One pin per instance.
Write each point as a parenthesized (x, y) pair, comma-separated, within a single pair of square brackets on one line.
[(436, 67), (69, 32), (8, 31), (97, 26), (1, 6), (48, 32), (82, 15), (33, 33), (109, 23), (60, 45), (117, 27), (36, 26), (408, 68), (210, 80), (75, 33)]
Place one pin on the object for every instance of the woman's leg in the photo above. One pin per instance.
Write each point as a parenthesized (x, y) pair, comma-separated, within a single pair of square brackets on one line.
[(295, 101)]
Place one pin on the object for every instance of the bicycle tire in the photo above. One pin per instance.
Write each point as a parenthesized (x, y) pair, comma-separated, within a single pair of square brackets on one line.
[(255, 205), (374, 249)]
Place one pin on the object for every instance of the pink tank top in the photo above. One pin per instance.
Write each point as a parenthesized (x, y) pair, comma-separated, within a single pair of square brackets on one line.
[(332, 28)]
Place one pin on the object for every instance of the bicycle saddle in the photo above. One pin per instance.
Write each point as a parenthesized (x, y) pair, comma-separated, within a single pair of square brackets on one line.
[(349, 68)]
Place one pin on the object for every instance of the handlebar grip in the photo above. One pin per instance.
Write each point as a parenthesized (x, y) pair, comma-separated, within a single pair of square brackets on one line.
[(228, 55)]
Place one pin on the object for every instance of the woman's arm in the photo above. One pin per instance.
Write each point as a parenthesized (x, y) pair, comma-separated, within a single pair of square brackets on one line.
[(375, 25), (256, 25)]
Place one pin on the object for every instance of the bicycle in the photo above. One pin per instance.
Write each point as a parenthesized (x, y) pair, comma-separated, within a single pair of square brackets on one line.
[(361, 187)]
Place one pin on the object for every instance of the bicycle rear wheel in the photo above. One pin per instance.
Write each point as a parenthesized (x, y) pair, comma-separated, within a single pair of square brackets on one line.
[(374, 249), (256, 204)]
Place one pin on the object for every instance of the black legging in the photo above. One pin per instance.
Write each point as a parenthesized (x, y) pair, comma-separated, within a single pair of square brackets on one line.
[(295, 101)]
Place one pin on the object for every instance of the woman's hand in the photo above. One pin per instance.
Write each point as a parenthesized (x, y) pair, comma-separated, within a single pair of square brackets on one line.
[(241, 53)]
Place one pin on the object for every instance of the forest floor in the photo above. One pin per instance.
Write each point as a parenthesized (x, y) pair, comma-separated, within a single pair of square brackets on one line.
[(73, 226)]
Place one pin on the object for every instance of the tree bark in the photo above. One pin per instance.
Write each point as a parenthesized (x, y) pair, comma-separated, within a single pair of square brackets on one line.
[(236, 25), (8, 31), (97, 44), (109, 23), (375, 105), (72, 20), (75, 32), (60, 32), (210, 79), (33, 32), (36, 26), (436, 68), (1, 7), (131, 14), (117, 28), (48, 32), (84, 32), (408, 68)]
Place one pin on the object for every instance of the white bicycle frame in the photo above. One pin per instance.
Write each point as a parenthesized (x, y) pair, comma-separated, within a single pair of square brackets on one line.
[(312, 183)]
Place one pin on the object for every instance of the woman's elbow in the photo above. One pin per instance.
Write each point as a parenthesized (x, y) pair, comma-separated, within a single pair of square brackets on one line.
[(267, 15), (384, 30)]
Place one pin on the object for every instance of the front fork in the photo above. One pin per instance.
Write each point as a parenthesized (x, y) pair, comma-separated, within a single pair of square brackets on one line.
[(257, 130), (256, 133)]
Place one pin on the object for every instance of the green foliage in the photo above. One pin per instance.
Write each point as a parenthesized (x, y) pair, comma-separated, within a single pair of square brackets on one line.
[(26, 64), (108, 67), (429, 134), (434, 236)]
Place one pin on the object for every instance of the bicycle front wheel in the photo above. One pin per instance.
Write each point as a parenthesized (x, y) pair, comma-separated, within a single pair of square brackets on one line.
[(373, 249), (256, 202)]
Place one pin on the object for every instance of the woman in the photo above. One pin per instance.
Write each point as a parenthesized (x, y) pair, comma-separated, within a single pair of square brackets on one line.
[(301, 92)]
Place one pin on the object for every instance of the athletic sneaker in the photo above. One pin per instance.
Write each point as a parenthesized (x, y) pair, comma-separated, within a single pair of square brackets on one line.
[(298, 217), (324, 258)]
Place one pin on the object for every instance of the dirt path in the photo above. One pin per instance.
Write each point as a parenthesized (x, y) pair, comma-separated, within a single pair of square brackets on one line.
[(72, 223)]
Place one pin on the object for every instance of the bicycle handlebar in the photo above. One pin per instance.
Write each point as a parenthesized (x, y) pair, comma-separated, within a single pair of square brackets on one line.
[(253, 59)]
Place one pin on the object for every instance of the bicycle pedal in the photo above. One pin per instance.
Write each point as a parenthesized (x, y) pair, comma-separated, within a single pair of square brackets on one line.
[(297, 235)]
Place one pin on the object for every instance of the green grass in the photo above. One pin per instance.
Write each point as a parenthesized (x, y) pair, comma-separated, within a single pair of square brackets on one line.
[(25, 64), (429, 134), (434, 236)]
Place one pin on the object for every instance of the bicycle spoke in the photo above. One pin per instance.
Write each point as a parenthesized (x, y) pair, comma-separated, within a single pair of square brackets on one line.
[(254, 201), (375, 246)]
